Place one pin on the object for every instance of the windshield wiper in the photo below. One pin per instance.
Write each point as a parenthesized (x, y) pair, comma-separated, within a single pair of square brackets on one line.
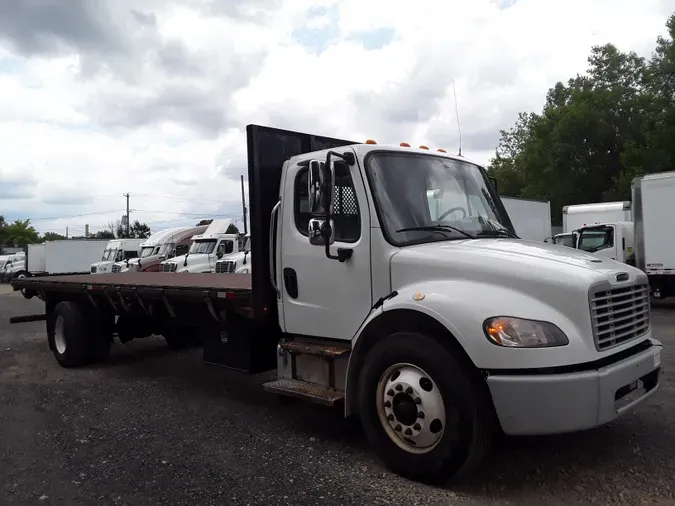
[(436, 228), (498, 230)]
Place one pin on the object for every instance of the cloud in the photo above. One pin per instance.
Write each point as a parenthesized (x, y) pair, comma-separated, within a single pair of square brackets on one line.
[(105, 97)]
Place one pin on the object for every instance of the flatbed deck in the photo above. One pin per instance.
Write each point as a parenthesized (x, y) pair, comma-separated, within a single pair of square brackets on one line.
[(140, 281)]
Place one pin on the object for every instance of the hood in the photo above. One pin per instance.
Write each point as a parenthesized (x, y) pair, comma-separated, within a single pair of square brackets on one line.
[(508, 262)]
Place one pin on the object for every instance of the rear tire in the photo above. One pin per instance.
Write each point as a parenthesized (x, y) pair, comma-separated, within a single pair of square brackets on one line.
[(409, 378), (67, 333)]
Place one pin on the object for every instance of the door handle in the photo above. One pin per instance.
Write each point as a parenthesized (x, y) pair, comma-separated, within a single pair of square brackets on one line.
[(291, 282)]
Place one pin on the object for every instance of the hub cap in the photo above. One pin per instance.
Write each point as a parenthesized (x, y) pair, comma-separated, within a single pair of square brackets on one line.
[(410, 408), (60, 334)]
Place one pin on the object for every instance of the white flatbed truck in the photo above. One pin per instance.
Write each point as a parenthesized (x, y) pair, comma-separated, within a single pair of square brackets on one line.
[(432, 332)]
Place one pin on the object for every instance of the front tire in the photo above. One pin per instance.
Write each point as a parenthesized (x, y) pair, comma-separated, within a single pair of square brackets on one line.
[(427, 415), (67, 333)]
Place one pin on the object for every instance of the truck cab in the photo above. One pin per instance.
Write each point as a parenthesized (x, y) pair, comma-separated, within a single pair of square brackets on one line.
[(237, 263), (117, 250), (14, 266), (609, 240)]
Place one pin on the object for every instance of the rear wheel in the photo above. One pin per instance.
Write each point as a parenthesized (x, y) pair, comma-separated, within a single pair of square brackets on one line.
[(67, 333), (427, 414)]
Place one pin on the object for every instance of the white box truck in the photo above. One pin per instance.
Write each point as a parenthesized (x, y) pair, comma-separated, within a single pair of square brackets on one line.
[(531, 218), (584, 215), (644, 242), (66, 256)]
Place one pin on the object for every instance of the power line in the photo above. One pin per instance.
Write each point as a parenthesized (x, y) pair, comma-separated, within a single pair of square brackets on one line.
[(74, 215)]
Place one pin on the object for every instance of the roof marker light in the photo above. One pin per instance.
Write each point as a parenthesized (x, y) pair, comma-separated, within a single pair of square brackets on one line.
[(371, 141), (441, 150), (404, 145), (424, 147)]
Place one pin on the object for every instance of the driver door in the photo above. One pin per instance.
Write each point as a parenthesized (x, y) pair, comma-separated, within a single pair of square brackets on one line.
[(319, 296)]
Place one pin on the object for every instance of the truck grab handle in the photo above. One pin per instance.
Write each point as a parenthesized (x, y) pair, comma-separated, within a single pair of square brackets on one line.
[(273, 275)]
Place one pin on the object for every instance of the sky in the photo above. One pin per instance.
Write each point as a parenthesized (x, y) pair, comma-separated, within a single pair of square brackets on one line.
[(99, 98)]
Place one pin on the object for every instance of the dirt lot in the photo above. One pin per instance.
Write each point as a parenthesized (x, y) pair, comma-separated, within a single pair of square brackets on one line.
[(154, 426)]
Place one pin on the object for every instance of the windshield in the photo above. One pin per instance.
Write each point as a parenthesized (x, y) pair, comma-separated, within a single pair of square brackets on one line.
[(413, 190), (165, 249), (109, 255), (595, 239), (202, 246), (147, 251)]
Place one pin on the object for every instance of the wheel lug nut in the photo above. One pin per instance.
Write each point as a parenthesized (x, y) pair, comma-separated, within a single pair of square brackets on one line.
[(390, 393), (417, 426), (408, 390), (408, 432), (398, 388), (390, 418), (420, 414), (418, 401), (397, 428), (387, 404)]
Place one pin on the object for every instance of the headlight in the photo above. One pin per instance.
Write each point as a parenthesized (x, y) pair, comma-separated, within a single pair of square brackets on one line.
[(519, 333)]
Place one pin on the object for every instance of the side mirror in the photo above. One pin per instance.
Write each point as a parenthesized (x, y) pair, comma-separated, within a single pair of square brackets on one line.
[(321, 232), (161, 258), (321, 181), (219, 254)]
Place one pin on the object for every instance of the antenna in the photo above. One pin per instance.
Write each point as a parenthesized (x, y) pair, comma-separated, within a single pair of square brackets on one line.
[(459, 128)]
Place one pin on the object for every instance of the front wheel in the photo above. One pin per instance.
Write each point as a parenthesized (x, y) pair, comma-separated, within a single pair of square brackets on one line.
[(425, 412), (68, 334)]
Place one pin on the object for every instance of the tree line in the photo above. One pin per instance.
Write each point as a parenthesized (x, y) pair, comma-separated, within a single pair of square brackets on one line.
[(21, 232), (596, 132)]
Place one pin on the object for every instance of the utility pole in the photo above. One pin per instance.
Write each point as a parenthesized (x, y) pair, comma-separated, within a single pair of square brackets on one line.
[(66, 232), (127, 231), (86, 231), (243, 203)]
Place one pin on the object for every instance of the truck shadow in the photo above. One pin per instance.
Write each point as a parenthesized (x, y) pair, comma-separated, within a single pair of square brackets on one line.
[(535, 463)]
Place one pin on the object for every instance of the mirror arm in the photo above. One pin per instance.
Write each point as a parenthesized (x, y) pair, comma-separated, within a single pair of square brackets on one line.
[(343, 254)]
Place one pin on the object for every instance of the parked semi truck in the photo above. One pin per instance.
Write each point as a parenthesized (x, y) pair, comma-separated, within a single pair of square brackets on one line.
[(238, 263), (644, 242), (116, 250), (431, 331), (531, 218), (161, 246), (206, 249)]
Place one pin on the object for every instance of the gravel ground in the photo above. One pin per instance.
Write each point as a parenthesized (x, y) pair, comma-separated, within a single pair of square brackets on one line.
[(153, 426)]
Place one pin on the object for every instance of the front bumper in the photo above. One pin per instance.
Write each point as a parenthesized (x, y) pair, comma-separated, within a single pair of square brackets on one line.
[(557, 403)]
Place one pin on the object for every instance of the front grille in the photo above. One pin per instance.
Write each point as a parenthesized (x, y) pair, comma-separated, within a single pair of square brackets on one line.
[(169, 267), (116, 268), (225, 267), (93, 269), (619, 315)]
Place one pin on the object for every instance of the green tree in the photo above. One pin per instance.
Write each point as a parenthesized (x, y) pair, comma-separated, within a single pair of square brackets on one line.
[(588, 142), (204, 222), (232, 229), (20, 233), (104, 234), (139, 230), (52, 236)]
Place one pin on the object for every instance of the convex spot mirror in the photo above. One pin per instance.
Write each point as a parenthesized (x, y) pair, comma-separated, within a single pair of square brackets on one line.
[(321, 181)]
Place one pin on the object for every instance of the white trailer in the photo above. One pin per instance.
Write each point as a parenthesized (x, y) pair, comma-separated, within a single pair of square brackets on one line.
[(68, 256), (585, 215), (530, 218), (654, 204)]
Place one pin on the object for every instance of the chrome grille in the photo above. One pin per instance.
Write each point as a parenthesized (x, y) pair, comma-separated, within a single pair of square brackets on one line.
[(116, 268), (169, 267), (619, 315), (225, 267)]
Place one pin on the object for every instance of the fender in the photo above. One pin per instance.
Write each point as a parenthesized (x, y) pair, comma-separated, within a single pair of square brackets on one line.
[(458, 308)]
